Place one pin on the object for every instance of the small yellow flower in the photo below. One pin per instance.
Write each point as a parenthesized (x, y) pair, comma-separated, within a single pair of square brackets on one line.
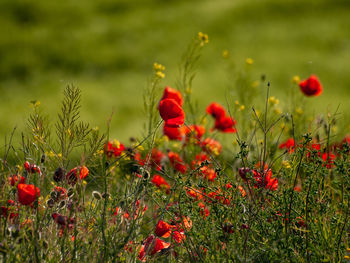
[(160, 74), (204, 121), (59, 155), (249, 61), (19, 167), (203, 38), (277, 110), (272, 100), (140, 148), (237, 102), (234, 143), (296, 79), (348, 249), (158, 67), (346, 257), (334, 129), (286, 164), (225, 53), (116, 143), (69, 132), (95, 129), (299, 111), (241, 108), (34, 103)]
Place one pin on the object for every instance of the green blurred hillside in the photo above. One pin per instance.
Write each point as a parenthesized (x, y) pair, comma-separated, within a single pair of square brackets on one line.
[(107, 48)]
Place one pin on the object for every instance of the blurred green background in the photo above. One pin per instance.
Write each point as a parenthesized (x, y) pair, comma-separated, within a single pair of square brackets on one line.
[(107, 49)]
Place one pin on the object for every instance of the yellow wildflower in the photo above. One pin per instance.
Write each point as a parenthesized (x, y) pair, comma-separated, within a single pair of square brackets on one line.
[(286, 164), (225, 53), (203, 38), (249, 61), (158, 67), (296, 79), (299, 111), (273, 100), (160, 74)]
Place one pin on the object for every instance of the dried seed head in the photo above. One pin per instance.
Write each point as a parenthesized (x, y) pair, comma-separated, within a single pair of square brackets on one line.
[(106, 195), (70, 192), (50, 203), (59, 174), (97, 195), (54, 195), (62, 204)]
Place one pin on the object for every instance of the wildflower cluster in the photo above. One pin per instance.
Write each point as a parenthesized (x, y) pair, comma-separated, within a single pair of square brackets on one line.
[(181, 193)]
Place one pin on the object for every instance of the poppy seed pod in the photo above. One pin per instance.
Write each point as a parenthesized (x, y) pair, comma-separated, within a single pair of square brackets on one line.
[(97, 195)]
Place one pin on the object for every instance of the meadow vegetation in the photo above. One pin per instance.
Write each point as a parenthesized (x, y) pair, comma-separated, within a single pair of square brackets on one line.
[(255, 178)]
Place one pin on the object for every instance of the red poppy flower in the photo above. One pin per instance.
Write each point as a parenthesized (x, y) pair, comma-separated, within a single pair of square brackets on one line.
[(204, 210), (152, 246), (27, 193), (216, 110), (160, 182), (212, 145), (174, 94), (15, 178), (173, 133), (32, 168), (289, 145), (72, 175), (269, 183), (114, 148), (9, 208), (311, 86), (208, 173), (172, 113), (225, 124), (328, 159), (61, 192), (163, 229), (177, 162), (196, 131), (196, 194)]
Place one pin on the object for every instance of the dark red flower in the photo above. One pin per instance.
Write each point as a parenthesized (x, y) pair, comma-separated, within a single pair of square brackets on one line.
[(212, 146), (225, 124), (328, 159), (311, 86), (15, 178), (289, 145), (32, 168), (160, 182), (174, 94), (177, 162), (172, 113), (268, 182), (61, 193), (114, 148), (163, 229), (204, 210), (173, 133), (27, 193), (196, 131), (216, 110), (72, 176), (9, 209)]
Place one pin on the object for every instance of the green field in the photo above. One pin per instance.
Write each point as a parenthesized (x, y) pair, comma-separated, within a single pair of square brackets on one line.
[(107, 48)]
